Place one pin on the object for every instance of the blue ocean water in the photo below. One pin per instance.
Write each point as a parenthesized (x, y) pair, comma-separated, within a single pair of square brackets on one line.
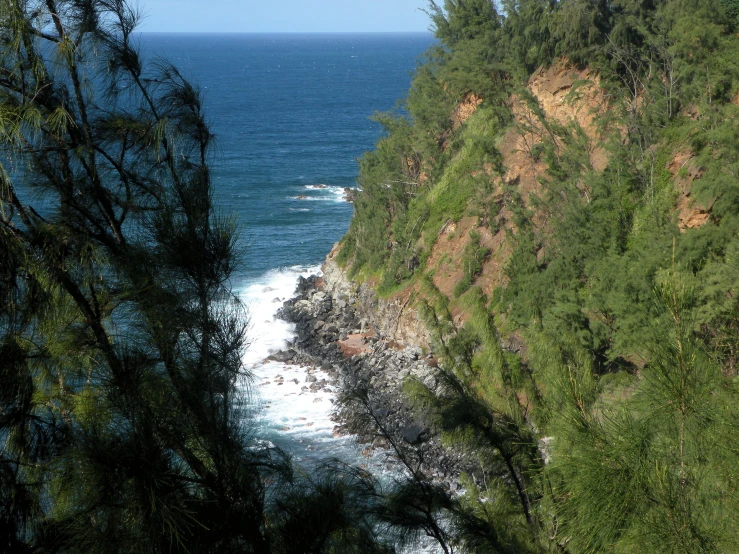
[(291, 112)]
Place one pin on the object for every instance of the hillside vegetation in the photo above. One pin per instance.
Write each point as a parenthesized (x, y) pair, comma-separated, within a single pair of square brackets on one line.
[(559, 195)]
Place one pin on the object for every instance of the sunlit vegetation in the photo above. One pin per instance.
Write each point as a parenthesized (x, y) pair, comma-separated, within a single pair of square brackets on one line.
[(611, 428)]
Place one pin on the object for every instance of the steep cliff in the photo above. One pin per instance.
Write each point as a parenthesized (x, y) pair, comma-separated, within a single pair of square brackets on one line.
[(394, 318), (555, 218), (560, 95)]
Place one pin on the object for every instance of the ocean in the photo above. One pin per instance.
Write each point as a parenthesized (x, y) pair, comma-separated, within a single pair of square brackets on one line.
[(291, 114)]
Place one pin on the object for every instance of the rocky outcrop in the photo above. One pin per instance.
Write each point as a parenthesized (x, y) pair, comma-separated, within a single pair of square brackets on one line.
[(350, 195), (347, 331), (393, 318)]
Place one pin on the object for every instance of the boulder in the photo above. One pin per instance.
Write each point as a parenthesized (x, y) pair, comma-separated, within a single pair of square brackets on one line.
[(413, 433), (283, 356), (303, 305)]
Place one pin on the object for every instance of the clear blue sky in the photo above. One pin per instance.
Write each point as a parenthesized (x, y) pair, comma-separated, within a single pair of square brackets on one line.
[(284, 16)]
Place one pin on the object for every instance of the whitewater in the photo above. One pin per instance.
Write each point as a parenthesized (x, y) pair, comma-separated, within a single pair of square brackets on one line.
[(288, 414)]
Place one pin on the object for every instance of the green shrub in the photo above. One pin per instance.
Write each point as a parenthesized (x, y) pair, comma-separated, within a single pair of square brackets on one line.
[(473, 261)]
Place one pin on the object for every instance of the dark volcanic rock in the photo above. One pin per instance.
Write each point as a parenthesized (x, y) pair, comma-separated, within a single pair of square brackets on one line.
[(414, 434), (283, 356), (333, 336)]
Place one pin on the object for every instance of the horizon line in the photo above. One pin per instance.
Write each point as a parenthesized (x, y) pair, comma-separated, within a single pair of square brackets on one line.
[(287, 32)]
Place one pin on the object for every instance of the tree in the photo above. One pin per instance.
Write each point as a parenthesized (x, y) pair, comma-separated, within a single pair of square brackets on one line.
[(653, 472), (460, 20), (122, 426), (122, 339)]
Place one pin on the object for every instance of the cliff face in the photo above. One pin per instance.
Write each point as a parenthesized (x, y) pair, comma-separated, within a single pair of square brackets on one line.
[(393, 318), (560, 95), (569, 137), (570, 235)]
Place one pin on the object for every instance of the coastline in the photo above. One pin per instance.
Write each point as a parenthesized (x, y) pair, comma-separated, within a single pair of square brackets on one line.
[(340, 332)]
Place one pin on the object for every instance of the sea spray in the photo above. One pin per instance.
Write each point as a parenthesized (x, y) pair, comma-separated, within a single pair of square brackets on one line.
[(288, 413)]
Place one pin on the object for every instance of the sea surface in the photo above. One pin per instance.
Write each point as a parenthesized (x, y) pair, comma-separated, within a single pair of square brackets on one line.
[(291, 114)]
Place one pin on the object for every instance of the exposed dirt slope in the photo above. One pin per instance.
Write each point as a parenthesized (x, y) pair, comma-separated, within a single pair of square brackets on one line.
[(559, 101), (691, 213), (561, 96)]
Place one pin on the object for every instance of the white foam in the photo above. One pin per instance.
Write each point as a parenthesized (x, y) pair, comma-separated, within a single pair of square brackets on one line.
[(290, 413), (286, 409), (308, 198), (338, 193), (264, 297), (290, 407), (331, 193)]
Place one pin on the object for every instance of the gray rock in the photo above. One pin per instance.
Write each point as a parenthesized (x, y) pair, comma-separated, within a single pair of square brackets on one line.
[(321, 317), (283, 356), (303, 305), (413, 433)]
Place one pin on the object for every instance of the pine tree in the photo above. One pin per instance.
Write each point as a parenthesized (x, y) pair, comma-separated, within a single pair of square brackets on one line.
[(121, 340), (122, 424), (652, 472)]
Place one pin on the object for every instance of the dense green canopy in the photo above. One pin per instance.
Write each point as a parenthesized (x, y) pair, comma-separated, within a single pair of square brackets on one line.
[(626, 318)]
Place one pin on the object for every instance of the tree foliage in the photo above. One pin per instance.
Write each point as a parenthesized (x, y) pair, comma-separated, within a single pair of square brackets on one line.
[(123, 417), (620, 316)]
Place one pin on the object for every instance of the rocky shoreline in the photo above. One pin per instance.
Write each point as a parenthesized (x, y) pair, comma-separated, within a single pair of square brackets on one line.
[(335, 333)]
